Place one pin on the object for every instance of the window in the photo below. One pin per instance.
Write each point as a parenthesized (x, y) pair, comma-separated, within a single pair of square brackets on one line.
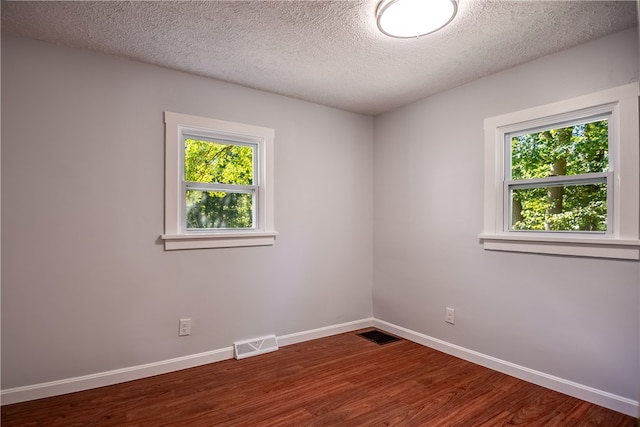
[(218, 183), (563, 178), (557, 177)]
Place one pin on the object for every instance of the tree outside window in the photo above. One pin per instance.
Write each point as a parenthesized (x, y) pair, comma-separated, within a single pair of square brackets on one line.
[(220, 187), (558, 180)]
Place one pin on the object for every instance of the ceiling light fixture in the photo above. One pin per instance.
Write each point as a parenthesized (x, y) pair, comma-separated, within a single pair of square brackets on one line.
[(414, 18)]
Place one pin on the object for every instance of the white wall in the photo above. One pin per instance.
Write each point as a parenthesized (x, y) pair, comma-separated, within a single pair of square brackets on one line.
[(573, 318), (86, 284)]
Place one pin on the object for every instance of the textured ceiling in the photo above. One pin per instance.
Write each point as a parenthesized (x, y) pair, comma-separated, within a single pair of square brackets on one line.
[(328, 52)]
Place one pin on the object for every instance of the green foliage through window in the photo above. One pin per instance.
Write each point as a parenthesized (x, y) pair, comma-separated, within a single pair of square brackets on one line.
[(220, 180), (550, 204)]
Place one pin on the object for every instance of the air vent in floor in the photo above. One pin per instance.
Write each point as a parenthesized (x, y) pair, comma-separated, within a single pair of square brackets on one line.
[(378, 337)]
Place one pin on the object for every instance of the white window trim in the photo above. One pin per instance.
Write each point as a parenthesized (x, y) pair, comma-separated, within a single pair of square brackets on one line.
[(622, 242), (175, 237)]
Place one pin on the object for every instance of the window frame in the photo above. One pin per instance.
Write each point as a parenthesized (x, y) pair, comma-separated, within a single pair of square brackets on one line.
[(621, 239), (178, 126)]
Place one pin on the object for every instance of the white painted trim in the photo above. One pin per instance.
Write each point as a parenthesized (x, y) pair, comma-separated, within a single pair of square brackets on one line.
[(324, 332), (175, 237), (622, 103), (101, 379), (562, 245), (579, 391), (193, 241)]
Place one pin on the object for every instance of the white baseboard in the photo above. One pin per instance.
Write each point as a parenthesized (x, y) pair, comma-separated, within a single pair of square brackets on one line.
[(324, 332), (101, 379), (70, 385), (580, 391)]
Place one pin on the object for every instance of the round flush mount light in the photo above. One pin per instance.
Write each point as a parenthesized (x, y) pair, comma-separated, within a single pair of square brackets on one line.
[(414, 18)]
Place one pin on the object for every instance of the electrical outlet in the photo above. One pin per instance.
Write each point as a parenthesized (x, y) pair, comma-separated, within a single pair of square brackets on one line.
[(449, 315), (185, 327)]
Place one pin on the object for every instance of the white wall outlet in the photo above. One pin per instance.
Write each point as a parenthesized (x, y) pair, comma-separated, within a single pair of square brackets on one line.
[(449, 315), (185, 327)]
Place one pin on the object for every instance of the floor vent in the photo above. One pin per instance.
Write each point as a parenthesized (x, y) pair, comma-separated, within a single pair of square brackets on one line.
[(255, 346), (378, 337)]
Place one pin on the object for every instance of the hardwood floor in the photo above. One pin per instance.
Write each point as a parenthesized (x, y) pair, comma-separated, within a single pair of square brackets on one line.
[(343, 380)]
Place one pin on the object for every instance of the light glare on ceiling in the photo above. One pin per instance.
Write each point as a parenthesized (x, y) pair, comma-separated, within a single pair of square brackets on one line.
[(414, 18)]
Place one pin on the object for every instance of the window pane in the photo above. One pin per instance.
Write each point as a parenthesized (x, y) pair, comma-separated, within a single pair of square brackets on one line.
[(560, 208), (217, 162), (577, 149), (217, 209)]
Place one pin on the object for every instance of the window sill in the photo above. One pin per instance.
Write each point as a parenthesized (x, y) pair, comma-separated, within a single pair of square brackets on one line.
[(591, 247), (222, 240)]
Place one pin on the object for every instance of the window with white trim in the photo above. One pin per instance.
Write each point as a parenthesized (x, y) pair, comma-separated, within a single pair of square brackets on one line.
[(218, 183), (563, 178)]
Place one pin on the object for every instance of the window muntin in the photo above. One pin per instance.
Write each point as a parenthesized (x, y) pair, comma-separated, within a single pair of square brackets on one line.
[(219, 186), (557, 178)]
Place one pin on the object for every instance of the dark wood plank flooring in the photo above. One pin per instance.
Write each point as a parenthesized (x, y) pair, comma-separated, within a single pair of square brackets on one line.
[(343, 380)]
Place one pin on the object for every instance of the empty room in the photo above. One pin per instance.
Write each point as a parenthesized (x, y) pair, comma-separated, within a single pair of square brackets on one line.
[(205, 204)]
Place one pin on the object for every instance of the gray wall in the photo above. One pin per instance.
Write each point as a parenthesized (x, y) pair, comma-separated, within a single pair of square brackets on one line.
[(86, 284), (574, 318)]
